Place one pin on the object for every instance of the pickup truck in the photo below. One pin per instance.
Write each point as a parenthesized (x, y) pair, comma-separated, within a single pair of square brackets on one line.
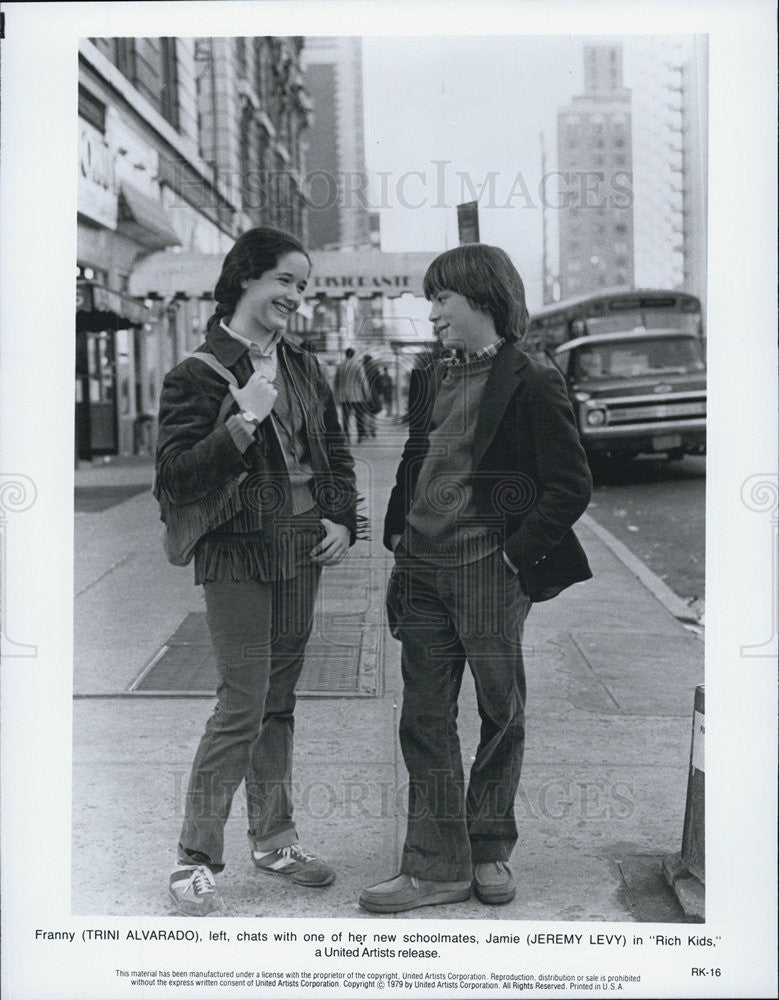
[(637, 392)]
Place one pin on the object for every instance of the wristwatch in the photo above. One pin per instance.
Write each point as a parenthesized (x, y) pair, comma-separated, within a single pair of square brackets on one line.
[(251, 417)]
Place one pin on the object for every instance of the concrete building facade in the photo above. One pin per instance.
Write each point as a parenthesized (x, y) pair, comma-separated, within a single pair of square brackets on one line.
[(181, 146)]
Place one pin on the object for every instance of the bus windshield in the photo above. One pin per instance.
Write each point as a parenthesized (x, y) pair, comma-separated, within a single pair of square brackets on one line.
[(636, 358), (651, 319)]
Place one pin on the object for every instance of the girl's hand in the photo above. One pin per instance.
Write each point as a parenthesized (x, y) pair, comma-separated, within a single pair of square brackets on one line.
[(333, 547), (257, 396)]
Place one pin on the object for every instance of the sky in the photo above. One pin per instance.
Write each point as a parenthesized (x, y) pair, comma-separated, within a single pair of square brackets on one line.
[(467, 113), (450, 119)]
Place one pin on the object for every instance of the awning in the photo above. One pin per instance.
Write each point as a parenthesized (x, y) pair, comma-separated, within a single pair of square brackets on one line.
[(163, 275), (333, 274), (99, 308), (144, 220)]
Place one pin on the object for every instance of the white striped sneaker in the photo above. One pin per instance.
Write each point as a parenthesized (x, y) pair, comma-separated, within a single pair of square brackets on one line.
[(294, 863), (193, 889)]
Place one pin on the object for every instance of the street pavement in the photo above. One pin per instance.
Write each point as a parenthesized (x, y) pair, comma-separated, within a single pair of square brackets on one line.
[(611, 676)]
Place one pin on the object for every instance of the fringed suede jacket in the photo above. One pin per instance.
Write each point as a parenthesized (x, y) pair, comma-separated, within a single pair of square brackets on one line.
[(241, 502)]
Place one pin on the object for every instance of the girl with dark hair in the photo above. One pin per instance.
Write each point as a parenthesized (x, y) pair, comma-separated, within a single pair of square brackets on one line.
[(252, 462)]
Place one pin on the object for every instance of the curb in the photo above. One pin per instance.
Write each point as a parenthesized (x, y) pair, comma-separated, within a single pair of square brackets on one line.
[(670, 601)]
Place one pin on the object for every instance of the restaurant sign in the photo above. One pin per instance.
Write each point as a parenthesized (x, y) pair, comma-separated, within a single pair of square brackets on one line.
[(356, 283)]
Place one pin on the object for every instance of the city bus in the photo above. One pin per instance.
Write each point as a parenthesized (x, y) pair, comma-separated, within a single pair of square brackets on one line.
[(634, 365)]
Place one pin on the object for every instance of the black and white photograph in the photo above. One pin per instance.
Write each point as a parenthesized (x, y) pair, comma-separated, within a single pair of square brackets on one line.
[(414, 485)]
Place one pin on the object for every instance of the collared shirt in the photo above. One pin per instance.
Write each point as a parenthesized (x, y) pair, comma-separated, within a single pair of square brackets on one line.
[(287, 416), (264, 360), (455, 357)]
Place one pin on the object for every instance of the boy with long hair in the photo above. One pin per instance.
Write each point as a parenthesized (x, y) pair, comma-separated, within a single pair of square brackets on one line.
[(491, 479)]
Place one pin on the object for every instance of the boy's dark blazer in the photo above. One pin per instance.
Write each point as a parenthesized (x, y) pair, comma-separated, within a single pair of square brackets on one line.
[(531, 475)]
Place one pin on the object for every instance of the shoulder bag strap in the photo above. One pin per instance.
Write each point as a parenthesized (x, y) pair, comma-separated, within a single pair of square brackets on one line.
[(217, 366), (226, 374)]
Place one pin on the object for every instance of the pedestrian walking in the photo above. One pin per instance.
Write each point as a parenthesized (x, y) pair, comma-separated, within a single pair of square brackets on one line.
[(490, 481), (350, 387), (259, 472), (386, 390), (373, 402)]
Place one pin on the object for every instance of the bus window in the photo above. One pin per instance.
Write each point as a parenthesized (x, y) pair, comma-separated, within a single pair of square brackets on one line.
[(622, 322)]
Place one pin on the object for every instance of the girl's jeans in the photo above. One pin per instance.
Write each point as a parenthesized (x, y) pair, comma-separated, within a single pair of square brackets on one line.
[(259, 632)]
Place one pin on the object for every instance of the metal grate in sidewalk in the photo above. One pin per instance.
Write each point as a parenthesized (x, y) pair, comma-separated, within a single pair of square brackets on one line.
[(96, 499), (343, 655)]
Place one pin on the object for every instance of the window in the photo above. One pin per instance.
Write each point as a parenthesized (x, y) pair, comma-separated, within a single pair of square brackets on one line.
[(169, 98), (151, 65), (248, 161), (125, 57), (240, 56), (261, 68), (91, 110)]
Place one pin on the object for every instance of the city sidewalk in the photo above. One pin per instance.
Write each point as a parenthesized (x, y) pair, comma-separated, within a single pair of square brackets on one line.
[(611, 680)]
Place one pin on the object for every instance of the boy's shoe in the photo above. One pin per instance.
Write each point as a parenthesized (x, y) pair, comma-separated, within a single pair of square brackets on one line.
[(493, 882), (193, 889), (295, 864), (407, 892)]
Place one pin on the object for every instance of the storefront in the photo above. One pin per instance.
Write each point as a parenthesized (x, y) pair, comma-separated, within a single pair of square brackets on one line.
[(112, 331)]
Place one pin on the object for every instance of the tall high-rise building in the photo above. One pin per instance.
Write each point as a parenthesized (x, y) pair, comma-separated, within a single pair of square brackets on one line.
[(668, 80), (594, 158), (338, 212)]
